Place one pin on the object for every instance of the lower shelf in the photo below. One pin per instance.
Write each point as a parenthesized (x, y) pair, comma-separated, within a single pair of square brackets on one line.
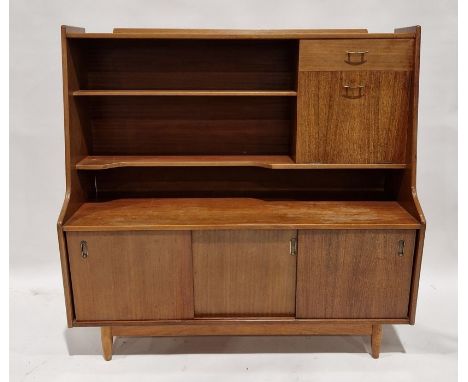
[(237, 213)]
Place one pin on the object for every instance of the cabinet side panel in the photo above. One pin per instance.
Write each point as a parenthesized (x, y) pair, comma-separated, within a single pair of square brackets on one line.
[(407, 196), (74, 194)]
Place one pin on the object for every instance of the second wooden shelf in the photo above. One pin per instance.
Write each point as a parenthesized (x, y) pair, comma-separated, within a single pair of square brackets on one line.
[(208, 93), (280, 162)]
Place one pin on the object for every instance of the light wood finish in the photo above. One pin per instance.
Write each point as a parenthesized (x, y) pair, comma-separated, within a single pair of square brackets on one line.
[(244, 273), (187, 93), (103, 162), (252, 328), (234, 213), (354, 274), (376, 340), (132, 275), (316, 55), (106, 340), (334, 129)]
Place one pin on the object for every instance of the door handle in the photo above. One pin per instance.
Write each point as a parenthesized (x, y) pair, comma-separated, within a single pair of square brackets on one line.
[(401, 248), (293, 246), (84, 249)]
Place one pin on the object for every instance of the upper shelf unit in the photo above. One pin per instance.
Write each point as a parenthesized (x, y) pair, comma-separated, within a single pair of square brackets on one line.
[(184, 65)]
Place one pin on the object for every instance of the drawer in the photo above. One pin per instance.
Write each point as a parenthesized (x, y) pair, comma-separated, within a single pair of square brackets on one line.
[(359, 54)]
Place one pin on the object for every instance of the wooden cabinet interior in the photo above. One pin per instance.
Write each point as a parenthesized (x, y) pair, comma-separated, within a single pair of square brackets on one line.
[(240, 182)]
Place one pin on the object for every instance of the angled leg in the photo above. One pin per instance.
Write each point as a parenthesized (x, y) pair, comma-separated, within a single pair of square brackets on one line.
[(106, 340), (376, 339)]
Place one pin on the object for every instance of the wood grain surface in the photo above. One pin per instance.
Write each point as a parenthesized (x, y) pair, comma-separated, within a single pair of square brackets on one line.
[(191, 125), (244, 273), (228, 34), (103, 162), (132, 275), (156, 64), (316, 55), (251, 328), (332, 128), (246, 213), (186, 93), (354, 274)]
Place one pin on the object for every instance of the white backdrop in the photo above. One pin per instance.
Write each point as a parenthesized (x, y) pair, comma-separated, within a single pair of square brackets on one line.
[(37, 175)]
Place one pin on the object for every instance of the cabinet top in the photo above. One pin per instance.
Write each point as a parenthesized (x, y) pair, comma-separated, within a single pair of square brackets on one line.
[(151, 33)]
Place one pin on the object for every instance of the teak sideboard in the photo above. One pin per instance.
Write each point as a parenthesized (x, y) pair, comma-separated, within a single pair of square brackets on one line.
[(233, 182)]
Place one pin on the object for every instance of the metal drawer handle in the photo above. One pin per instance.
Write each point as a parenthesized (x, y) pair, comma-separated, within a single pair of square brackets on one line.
[(350, 91), (361, 56), (84, 249)]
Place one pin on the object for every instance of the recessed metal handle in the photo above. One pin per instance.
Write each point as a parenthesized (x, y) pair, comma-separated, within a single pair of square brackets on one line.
[(84, 249), (293, 246), (401, 248), (359, 54), (350, 91)]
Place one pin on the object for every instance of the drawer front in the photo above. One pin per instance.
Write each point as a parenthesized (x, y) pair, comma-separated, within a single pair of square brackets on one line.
[(376, 54), (131, 275), (347, 274)]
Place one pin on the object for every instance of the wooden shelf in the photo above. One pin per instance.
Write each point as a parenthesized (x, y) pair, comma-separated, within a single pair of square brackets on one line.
[(237, 213), (198, 93), (266, 161), (226, 34)]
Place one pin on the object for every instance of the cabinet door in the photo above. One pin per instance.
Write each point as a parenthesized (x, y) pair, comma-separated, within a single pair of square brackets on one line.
[(340, 123), (354, 273), (244, 273), (131, 275)]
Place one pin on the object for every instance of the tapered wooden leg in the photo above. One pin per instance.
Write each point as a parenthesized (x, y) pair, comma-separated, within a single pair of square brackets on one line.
[(376, 339), (106, 340)]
